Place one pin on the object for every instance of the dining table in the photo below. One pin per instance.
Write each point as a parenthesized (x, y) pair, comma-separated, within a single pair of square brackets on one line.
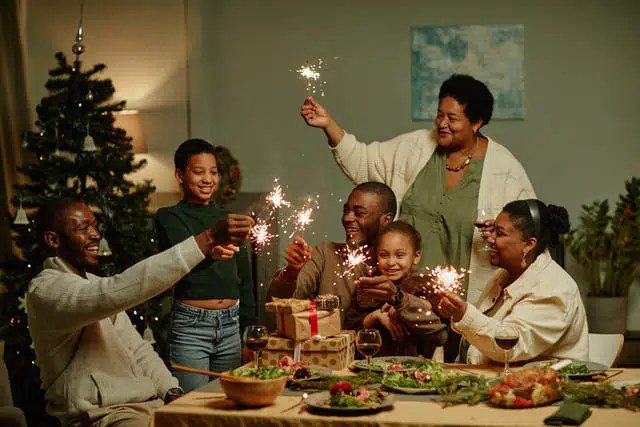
[(208, 406)]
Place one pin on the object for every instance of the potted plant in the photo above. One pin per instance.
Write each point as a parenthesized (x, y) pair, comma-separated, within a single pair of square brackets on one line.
[(607, 246)]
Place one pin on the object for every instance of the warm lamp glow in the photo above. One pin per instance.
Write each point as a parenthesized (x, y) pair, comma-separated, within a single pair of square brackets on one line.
[(129, 120)]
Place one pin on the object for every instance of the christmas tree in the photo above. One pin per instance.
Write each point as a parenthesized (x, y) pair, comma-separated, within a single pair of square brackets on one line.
[(75, 152)]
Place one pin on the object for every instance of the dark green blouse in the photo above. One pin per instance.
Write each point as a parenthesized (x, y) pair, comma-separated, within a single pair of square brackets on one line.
[(443, 218), (210, 279)]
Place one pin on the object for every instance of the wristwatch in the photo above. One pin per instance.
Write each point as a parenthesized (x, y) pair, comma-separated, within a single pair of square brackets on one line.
[(173, 394), (398, 297)]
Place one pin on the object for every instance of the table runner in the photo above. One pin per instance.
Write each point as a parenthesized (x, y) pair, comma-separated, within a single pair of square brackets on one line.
[(204, 407)]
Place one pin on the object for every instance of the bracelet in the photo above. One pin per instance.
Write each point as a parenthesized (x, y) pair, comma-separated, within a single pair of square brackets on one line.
[(398, 297)]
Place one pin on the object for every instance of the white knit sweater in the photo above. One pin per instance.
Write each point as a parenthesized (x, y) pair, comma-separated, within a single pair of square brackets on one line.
[(398, 161), (88, 352)]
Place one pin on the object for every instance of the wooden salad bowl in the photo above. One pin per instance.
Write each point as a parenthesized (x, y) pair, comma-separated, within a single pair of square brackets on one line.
[(252, 392)]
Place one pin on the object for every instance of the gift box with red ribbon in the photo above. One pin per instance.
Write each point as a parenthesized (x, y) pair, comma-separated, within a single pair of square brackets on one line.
[(335, 352), (300, 320)]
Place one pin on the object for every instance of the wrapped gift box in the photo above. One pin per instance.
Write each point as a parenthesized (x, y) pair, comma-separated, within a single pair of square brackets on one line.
[(335, 352), (300, 320)]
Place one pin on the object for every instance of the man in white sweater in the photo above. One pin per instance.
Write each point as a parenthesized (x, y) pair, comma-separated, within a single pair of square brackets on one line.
[(96, 369)]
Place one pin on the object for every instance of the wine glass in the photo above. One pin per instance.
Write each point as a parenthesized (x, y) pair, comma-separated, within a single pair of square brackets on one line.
[(368, 342), (484, 215), (256, 338), (506, 337)]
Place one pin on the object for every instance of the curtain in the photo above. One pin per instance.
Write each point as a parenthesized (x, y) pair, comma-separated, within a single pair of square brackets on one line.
[(14, 111)]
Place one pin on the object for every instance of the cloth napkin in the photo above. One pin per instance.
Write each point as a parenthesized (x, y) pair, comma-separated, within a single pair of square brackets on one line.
[(569, 414)]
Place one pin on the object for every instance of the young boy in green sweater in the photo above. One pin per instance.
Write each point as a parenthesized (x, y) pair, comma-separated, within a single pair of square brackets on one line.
[(216, 298)]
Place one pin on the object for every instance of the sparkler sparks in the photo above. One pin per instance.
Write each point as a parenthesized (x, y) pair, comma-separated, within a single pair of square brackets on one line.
[(353, 257), (276, 197), (304, 216), (260, 234), (448, 279), (311, 74)]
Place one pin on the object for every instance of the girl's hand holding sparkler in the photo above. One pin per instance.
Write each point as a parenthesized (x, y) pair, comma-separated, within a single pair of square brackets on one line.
[(451, 306), (224, 252), (298, 252), (380, 288)]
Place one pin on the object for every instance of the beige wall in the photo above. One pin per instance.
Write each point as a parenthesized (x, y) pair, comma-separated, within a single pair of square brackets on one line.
[(578, 142)]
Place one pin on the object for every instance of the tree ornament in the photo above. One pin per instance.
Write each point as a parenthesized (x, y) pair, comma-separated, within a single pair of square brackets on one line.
[(78, 47), (103, 248), (57, 152), (21, 216), (89, 144)]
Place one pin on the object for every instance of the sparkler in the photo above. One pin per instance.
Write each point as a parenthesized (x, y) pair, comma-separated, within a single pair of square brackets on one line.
[(276, 197), (311, 73), (353, 257), (304, 216), (260, 234), (448, 279)]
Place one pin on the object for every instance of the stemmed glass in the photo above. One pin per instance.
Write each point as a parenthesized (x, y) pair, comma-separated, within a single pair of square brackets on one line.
[(484, 216), (506, 337), (256, 338), (368, 343)]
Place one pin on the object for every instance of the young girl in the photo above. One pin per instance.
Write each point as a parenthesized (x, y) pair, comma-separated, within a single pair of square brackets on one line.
[(388, 302)]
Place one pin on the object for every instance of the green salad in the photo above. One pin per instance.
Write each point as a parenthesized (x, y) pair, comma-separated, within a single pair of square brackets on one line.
[(343, 395), (393, 364), (428, 376), (574, 368), (262, 372)]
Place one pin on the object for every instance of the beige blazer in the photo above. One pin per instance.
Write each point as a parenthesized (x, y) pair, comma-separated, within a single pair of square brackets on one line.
[(398, 161)]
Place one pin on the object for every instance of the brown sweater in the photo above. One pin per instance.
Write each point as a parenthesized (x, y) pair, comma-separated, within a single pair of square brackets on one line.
[(324, 274), (425, 330)]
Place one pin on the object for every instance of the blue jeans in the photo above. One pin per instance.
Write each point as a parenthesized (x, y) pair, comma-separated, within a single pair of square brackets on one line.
[(203, 339)]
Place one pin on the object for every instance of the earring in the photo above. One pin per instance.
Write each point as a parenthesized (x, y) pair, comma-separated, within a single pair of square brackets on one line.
[(523, 263)]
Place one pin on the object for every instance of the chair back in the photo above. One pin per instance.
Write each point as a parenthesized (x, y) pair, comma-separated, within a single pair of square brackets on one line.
[(605, 348), (5, 387)]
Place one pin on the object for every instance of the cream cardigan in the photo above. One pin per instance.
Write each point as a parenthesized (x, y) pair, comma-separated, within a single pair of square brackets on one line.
[(398, 161), (89, 354)]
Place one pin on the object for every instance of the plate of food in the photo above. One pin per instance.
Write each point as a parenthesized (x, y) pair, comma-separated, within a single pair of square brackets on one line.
[(391, 363), (343, 399), (527, 388), (573, 369), (423, 380), (302, 370)]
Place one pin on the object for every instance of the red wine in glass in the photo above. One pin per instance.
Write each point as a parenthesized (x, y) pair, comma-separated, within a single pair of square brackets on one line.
[(507, 343), (256, 344), (369, 350)]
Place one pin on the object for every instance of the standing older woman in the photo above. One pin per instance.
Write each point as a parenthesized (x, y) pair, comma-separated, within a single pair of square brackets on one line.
[(441, 176), (532, 293)]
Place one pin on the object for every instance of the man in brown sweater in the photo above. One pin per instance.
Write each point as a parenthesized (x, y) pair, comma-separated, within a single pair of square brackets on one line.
[(311, 272)]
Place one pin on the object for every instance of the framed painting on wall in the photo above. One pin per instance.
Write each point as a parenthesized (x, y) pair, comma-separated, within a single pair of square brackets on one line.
[(493, 54)]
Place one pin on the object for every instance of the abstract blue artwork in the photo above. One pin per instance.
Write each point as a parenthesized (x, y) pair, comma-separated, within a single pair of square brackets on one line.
[(493, 54)]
